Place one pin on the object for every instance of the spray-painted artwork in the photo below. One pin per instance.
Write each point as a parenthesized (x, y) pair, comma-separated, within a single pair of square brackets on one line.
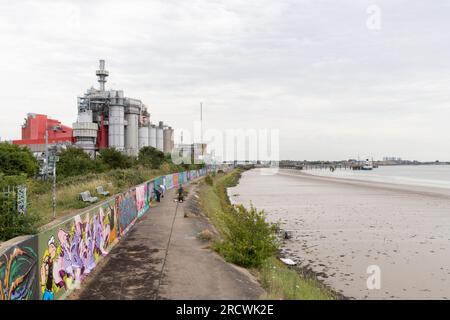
[(49, 265), (157, 182), (182, 177), (141, 199), (71, 250), (175, 179), (126, 210), (18, 271), (150, 192), (168, 181)]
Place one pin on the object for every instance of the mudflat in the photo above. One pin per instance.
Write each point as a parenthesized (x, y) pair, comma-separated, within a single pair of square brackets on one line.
[(343, 227)]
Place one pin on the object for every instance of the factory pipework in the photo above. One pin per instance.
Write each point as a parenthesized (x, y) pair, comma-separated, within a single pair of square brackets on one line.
[(107, 118)]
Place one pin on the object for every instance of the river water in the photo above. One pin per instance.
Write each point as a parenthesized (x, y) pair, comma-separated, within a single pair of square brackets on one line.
[(423, 175), (351, 232)]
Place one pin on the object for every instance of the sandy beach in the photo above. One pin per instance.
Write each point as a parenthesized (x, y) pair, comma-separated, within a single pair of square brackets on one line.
[(341, 227)]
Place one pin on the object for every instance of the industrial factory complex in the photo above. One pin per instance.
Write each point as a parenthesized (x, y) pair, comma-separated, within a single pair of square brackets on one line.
[(106, 119)]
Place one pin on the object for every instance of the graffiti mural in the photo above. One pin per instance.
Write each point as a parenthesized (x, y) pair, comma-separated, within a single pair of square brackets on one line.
[(182, 177), (57, 260), (168, 181), (175, 179), (126, 210), (72, 249), (18, 271), (150, 193), (158, 181), (141, 199)]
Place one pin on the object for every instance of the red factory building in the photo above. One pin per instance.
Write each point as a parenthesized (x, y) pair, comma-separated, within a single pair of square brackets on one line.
[(33, 132)]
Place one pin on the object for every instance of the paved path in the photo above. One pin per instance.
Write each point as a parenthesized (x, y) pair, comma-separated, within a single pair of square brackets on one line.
[(162, 258)]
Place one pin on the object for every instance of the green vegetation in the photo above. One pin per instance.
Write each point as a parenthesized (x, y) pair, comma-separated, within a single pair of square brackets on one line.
[(13, 224), (151, 157), (16, 160), (16, 165), (282, 282), (248, 240), (76, 172), (114, 159), (74, 161)]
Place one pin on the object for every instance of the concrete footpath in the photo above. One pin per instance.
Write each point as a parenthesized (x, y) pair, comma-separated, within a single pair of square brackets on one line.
[(162, 258)]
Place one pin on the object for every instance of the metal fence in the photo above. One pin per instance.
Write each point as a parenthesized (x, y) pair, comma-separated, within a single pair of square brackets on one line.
[(13, 199)]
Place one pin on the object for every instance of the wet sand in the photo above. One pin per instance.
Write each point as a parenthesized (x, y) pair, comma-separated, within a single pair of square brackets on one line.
[(340, 227)]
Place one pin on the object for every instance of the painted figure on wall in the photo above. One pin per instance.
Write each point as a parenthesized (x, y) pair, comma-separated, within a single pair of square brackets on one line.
[(47, 271), (70, 258)]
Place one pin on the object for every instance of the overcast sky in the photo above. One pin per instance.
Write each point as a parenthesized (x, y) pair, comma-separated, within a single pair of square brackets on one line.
[(335, 82)]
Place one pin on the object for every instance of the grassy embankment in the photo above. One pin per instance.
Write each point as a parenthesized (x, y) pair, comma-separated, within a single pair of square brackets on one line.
[(248, 240), (67, 191)]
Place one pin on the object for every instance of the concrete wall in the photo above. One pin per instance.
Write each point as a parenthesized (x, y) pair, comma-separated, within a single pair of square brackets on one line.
[(56, 261)]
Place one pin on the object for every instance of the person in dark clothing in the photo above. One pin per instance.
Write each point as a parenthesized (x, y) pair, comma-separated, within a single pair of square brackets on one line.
[(180, 194), (158, 194)]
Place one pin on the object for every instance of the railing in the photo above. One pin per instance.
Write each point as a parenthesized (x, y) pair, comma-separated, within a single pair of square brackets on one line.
[(13, 200)]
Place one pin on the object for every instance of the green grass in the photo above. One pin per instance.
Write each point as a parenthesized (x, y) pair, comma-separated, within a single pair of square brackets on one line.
[(67, 190), (283, 283), (278, 280)]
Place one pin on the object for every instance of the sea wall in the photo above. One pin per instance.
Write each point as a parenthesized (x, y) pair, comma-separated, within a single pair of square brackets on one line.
[(49, 265)]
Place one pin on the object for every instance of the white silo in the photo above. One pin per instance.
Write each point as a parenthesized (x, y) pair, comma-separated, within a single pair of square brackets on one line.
[(160, 137), (131, 130), (152, 136), (143, 137), (168, 140), (116, 127)]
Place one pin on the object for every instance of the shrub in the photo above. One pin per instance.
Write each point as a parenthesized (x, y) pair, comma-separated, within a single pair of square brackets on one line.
[(248, 238), (74, 161), (208, 180), (115, 159), (16, 160), (151, 157), (12, 223)]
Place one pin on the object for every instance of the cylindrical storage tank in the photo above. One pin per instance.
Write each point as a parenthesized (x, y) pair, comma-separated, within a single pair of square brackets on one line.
[(160, 139), (143, 137), (152, 136), (116, 127), (168, 139), (131, 131), (85, 134)]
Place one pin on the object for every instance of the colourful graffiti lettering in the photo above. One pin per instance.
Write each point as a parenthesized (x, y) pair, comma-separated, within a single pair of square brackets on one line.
[(141, 199), (49, 265), (73, 249), (127, 211), (18, 272)]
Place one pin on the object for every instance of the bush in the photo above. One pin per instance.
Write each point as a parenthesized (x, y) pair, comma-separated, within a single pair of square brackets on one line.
[(208, 180), (74, 161), (115, 159), (13, 224), (124, 178), (16, 160), (151, 157), (248, 239), (11, 181)]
